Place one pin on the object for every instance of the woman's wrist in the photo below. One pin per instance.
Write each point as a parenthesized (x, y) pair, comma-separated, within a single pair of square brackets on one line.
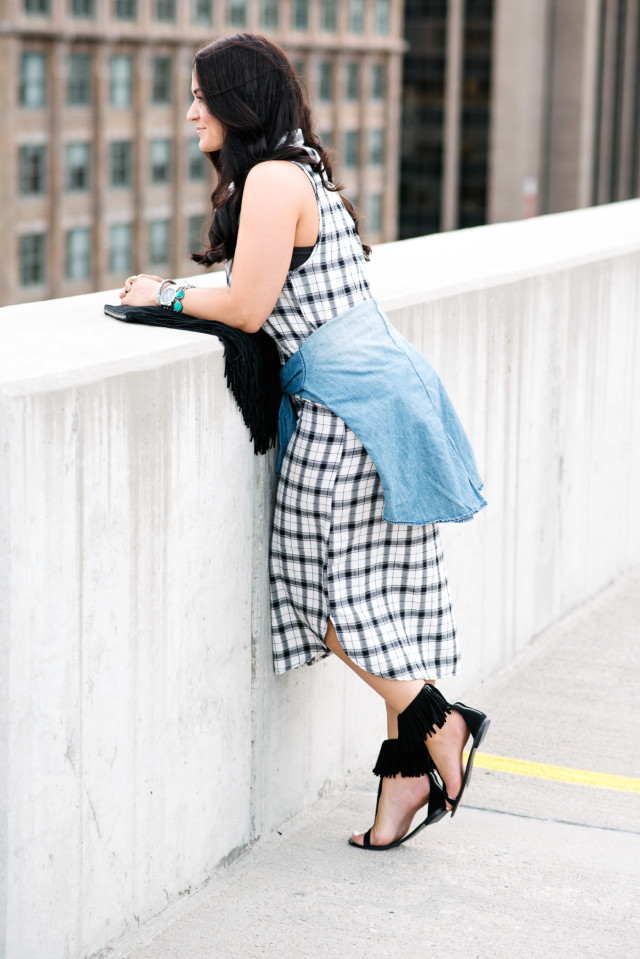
[(170, 294)]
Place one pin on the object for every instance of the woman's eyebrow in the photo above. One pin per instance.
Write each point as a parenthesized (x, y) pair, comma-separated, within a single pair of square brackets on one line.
[(195, 90)]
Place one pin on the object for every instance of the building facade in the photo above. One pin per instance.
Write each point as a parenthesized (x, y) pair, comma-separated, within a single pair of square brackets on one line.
[(513, 108), (101, 172)]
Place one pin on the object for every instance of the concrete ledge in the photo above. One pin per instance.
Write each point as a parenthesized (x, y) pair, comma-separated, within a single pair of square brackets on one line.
[(144, 735)]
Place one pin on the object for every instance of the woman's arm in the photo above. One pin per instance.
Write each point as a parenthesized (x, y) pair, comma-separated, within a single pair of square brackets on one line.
[(277, 198)]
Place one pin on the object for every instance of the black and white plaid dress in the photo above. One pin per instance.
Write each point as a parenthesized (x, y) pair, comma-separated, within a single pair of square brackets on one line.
[(333, 556)]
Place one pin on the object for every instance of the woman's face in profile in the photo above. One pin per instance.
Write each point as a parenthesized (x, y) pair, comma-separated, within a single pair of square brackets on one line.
[(209, 130)]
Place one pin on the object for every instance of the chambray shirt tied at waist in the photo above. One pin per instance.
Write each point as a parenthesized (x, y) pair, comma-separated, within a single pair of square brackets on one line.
[(363, 370)]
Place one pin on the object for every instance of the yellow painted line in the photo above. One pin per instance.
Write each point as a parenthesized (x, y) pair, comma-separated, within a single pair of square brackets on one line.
[(581, 777)]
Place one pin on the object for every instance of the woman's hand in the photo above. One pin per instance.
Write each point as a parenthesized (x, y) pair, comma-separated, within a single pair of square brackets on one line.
[(140, 290)]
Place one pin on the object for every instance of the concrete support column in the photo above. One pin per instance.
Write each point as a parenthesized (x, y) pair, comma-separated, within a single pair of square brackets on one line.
[(453, 110)]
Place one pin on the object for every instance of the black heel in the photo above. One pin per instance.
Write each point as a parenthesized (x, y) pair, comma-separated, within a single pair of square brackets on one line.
[(477, 724), (427, 713), (393, 761)]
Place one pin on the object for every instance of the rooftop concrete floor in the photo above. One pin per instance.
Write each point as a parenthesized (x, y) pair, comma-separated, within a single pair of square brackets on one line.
[(529, 867)]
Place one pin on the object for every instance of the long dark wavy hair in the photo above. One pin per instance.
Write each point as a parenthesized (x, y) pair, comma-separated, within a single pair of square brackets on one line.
[(251, 88)]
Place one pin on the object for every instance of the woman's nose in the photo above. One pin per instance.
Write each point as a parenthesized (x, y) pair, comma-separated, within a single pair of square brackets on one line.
[(192, 113)]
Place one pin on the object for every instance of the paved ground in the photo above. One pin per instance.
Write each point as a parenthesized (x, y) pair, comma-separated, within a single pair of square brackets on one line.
[(528, 868)]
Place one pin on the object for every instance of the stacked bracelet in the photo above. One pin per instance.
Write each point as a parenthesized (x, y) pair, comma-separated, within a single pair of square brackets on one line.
[(170, 296)]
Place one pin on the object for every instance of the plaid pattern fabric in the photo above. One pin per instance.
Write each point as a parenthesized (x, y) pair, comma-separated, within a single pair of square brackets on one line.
[(383, 586), (329, 282)]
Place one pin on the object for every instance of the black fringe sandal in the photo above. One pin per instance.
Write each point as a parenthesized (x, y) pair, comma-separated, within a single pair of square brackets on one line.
[(428, 712), (411, 763)]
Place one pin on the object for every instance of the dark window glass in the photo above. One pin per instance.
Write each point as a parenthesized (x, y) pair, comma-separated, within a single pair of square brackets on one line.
[(32, 258), (83, 8), (121, 81), (379, 89), (329, 15), (78, 253), (270, 14), (300, 14), (78, 160), (159, 241), (121, 156), (120, 248), (382, 17), (356, 16), (352, 148), (32, 162), (126, 9), (376, 147), (37, 6), (202, 13), (79, 79), (165, 10), (33, 80), (161, 80), (374, 213), (160, 151), (237, 13), (325, 85), (196, 161), (195, 232), (353, 80)]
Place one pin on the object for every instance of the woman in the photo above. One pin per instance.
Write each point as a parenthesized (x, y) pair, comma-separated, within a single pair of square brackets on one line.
[(371, 588)]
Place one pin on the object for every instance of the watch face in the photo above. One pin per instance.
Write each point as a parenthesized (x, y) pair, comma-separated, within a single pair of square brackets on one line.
[(168, 295)]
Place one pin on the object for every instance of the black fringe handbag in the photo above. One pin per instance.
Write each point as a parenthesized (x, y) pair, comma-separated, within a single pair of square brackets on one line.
[(251, 365)]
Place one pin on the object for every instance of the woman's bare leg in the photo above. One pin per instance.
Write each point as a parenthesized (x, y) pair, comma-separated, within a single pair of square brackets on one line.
[(445, 746)]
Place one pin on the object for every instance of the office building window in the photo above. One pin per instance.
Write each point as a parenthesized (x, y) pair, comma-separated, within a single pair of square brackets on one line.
[(196, 161), (352, 148), (329, 15), (237, 13), (353, 80), (79, 79), (379, 86), (78, 253), (41, 7), (356, 16), (126, 9), (32, 164), (120, 248), (299, 67), (160, 161), (121, 163), (201, 12), (161, 80), (33, 80), (32, 258), (325, 84), (300, 15), (159, 241), (83, 8), (78, 165), (165, 11), (374, 213), (326, 138), (270, 14), (121, 80), (382, 17), (376, 147), (195, 231)]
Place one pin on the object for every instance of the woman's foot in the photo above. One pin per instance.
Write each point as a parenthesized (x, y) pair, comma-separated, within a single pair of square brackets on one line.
[(400, 799), (446, 746)]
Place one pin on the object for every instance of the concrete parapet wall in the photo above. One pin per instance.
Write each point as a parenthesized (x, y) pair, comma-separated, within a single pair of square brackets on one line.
[(143, 736)]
